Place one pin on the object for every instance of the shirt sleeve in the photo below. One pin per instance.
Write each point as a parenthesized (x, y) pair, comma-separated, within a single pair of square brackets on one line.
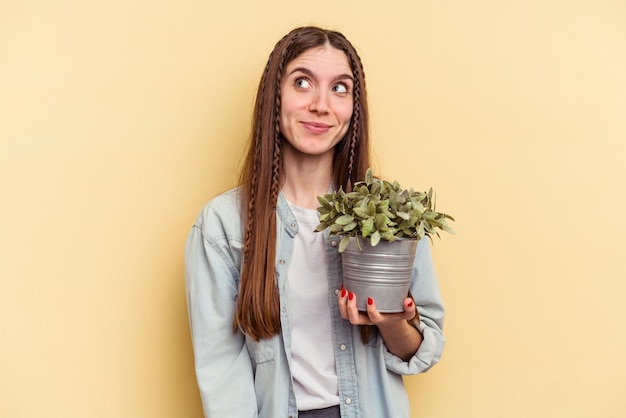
[(223, 368), (427, 297)]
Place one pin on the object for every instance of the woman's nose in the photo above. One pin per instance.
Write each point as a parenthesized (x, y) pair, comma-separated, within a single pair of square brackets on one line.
[(319, 103)]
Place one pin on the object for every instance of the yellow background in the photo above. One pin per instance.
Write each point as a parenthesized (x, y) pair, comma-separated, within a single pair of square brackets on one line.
[(119, 119)]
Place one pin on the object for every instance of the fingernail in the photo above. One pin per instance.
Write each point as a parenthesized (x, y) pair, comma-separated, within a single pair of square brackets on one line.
[(351, 296), (370, 301), (410, 303), (341, 288), (343, 293)]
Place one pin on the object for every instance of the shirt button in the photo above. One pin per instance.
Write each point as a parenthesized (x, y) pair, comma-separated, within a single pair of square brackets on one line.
[(333, 243), (336, 291), (293, 224), (282, 261), (342, 347), (348, 401)]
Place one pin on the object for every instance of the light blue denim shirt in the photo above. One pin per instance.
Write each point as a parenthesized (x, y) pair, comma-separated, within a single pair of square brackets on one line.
[(241, 378)]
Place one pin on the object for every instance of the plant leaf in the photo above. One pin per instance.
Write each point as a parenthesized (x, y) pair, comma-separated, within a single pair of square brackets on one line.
[(361, 213), (381, 222), (375, 239), (344, 243), (376, 187), (371, 208), (349, 227), (344, 219), (403, 215), (324, 202), (368, 176), (367, 226)]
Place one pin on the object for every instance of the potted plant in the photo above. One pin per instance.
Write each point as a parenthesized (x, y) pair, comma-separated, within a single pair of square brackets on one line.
[(380, 224)]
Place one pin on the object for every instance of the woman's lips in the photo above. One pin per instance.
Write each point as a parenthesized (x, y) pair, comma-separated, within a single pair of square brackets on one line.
[(316, 127)]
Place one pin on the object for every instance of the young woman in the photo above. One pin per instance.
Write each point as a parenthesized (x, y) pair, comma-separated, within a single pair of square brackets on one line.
[(275, 333)]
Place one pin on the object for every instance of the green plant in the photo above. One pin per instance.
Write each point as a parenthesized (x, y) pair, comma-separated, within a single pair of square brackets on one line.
[(377, 209)]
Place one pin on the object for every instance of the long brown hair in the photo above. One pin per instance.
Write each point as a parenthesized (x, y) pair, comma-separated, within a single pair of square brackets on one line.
[(257, 310)]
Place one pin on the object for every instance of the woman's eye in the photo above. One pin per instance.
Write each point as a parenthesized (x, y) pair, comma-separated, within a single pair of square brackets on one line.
[(303, 83), (340, 88)]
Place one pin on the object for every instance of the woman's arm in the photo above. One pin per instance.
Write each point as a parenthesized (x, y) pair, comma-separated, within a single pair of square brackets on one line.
[(222, 363)]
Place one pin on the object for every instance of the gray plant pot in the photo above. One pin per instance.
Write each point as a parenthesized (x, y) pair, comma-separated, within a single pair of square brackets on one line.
[(382, 272)]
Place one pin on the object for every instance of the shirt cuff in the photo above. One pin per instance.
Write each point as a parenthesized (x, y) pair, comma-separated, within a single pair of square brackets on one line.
[(422, 360)]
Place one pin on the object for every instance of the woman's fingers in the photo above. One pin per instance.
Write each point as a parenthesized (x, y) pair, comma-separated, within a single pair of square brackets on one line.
[(348, 308), (342, 299)]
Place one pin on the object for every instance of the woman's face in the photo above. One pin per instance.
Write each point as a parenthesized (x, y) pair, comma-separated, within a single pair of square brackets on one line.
[(316, 101)]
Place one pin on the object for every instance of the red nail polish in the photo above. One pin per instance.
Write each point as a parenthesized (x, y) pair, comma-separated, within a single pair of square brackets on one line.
[(370, 301), (351, 296), (341, 288), (410, 303), (343, 293)]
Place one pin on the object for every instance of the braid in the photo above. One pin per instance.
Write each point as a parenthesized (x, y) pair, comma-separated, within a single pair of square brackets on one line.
[(355, 129), (275, 170), (275, 185), (276, 152), (254, 178), (356, 117), (251, 205)]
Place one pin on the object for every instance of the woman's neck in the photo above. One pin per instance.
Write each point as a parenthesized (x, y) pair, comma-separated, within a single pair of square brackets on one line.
[(305, 179)]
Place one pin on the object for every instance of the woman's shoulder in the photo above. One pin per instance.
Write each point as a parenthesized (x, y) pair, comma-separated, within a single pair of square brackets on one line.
[(228, 199), (223, 210)]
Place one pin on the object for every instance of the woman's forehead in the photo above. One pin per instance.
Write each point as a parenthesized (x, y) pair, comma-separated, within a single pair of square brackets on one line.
[(323, 58)]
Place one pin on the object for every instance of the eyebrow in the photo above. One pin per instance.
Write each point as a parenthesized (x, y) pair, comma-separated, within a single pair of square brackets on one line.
[(311, 74)]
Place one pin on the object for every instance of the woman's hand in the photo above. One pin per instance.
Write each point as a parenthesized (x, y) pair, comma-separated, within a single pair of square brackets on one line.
[(400, 338), (349, 311)]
